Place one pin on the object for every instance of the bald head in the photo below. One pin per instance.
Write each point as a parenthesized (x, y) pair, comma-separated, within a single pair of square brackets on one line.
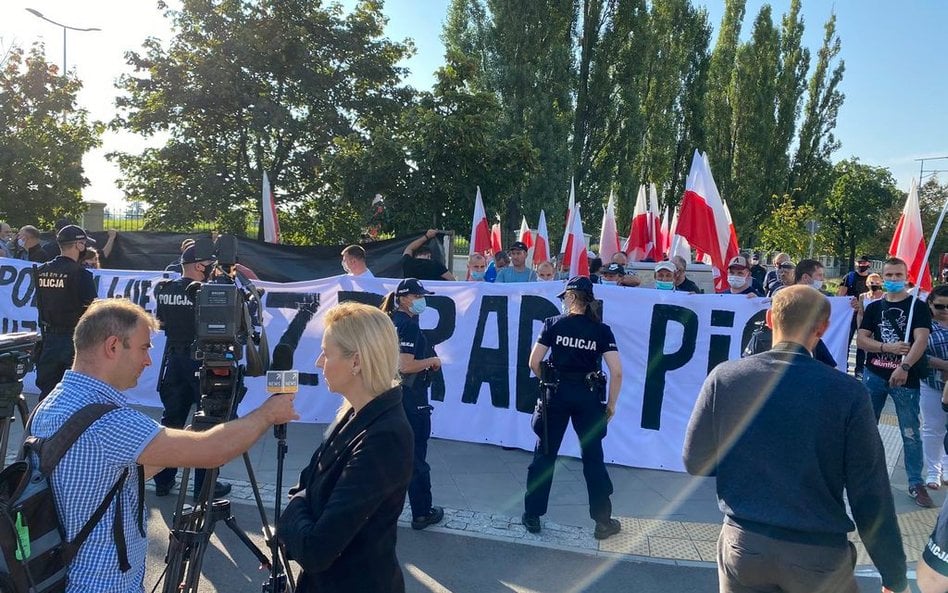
[(799, 314)]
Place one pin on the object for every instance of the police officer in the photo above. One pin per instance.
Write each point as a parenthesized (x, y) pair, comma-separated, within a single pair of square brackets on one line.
[(63, 291), (179, 385), (577, 341), (404, 305)]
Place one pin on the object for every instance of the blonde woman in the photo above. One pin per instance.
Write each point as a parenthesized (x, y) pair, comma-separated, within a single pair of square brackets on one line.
[(341, 520)]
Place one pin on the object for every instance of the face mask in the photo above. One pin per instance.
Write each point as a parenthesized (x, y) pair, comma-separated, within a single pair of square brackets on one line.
[(20, 243), (817, 284), (894, 285), (609, 282), (564, 306), (207, 271), (736, 281), (418, 306), (874, 287), (82, 251), (663, 285), (862, 268), (477, 275)]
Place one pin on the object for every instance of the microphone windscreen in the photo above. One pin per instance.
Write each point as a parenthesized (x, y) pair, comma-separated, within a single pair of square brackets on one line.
[(282, 358)]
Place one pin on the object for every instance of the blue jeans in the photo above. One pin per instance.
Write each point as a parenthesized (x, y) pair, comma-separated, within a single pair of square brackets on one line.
[(906, 408)]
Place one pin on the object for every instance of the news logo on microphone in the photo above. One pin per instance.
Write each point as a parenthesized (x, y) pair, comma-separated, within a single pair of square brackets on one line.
[(283, 381)]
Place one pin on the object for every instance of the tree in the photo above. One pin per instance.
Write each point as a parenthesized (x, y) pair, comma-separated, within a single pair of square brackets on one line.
[(860, 202), (43, 137), (824, 99), (785, 229), (246, 87)]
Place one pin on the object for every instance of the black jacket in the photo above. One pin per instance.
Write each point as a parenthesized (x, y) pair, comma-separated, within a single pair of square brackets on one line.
[(342, 517)]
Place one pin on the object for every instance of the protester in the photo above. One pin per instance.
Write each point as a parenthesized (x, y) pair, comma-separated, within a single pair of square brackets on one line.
[(404, 305), (934, 418), (757, 271), (682, 282), (739, 278), (611, 274), (340, 524), (784, 277), (595, 267), (809, 272), (179, 385), (546, 272), (500, 261), (577, 342), (417, 262), (476, 267), (106, 252), (892, 356), (6, 237), (630, 278), (517, 271), (90, 259), (112, 342), (853, 285), (771, 277), (665, 275), (63, 291), (873, 293), (785, 518), (28, 246), (353, 262)]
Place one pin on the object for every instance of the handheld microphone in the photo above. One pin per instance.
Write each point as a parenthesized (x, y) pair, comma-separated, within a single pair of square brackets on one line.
[(280, 377)]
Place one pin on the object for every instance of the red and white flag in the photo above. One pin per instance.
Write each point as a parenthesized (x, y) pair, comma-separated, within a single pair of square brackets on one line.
[(480, 230), (678, 245), (732, 246), (565, 247), (495, 243), (703, 220), (541, 249), (608, 235), (578, 257), (908, 242), (655, 224), (665, 244), (525, 236), (639, 244), (271, 224)]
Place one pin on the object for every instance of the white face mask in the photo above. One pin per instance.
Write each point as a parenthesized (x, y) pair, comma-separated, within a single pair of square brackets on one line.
[(21, 243), (736, 281), (817, 284)]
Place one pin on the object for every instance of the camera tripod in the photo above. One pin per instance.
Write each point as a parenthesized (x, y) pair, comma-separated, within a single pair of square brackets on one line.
[(221, 383), (11, 400)]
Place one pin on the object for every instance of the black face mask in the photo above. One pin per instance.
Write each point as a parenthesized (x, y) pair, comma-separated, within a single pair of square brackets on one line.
[(875, 287), (82, 251), (862, 268), (208, 271)]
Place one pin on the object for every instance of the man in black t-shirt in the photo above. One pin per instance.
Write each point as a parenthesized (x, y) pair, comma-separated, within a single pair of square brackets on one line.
[(417, 261), (893, 351), (853, 285)]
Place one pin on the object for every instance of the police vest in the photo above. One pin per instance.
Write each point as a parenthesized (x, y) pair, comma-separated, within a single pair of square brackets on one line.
[(175, 310), (64, 289)]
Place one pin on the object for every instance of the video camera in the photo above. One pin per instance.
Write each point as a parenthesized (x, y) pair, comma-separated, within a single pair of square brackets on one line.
[(16, 355), (227, 321)]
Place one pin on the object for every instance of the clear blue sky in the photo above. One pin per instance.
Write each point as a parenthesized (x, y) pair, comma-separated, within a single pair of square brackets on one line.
[(894, 81)]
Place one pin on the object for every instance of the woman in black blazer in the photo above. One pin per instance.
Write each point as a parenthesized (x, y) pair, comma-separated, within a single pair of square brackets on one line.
[(341, 520)]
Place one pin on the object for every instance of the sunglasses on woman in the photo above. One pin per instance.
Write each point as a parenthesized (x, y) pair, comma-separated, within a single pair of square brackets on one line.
[(938, 307)]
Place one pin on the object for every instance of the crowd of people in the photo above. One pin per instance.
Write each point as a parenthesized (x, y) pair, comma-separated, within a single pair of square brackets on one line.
[(794, 538)]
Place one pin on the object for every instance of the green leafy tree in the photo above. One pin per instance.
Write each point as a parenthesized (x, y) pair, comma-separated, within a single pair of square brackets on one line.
[(786, 228), (859, 204), (43, 137), (246, 87), (791, 83)]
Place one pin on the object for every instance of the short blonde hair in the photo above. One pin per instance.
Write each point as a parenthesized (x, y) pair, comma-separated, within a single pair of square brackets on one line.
[(799, 309), (360, 329), (110, 317)]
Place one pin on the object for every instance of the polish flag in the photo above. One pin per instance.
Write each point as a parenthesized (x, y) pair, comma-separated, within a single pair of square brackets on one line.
[(525, 236), (578, 258), (271, 224), (678, 245), (566, 249), (703, 219), (908, 243), (609, 235), (495, 243), (665, 243), (541, 249), (655, 224), (732, 246), (638, 245)]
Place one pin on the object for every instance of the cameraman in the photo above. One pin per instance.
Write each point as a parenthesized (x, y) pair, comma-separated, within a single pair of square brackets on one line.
[(179, 386), (112, 342), (63, 291)]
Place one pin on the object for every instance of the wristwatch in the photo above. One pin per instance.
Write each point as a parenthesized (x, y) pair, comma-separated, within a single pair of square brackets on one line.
[(905, 367)]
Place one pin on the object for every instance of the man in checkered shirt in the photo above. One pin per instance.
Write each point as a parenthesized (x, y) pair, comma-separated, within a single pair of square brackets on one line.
[(112, 343)]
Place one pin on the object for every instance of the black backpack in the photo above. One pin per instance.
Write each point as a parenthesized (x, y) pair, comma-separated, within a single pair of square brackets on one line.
[(34, 553)]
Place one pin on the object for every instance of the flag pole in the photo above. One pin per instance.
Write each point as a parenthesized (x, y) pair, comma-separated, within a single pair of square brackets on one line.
[(928, 253)]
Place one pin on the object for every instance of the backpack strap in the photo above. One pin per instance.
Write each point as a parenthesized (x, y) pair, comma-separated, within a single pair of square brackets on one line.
[(52, 449), (72, 548)]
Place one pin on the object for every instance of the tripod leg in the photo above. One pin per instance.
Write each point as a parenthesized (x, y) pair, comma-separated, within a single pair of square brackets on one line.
[(232, 523)]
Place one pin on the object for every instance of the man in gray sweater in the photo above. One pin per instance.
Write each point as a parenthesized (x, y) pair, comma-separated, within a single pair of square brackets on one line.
[(785, 435)]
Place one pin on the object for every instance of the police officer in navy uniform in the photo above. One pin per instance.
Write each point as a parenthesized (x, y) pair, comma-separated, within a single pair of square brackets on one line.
[(577, 341), (179, 385), (63, 291), (404, 305)]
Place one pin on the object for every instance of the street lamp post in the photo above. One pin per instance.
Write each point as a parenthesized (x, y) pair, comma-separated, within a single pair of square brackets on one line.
[(39, 14)]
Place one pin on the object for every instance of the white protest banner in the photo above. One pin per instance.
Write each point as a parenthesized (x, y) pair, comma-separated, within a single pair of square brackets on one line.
[(484, 333)]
